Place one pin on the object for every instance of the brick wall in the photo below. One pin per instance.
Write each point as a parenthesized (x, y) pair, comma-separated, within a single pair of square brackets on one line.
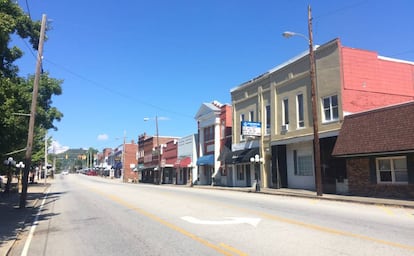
[(130, 158), (360, 183)]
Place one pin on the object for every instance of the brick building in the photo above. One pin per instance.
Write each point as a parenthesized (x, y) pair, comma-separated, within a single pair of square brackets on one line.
[(129, 162), (150, 157), (378, 146)]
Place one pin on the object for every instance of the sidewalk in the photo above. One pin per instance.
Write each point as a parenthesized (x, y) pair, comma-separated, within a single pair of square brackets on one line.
[(12, 218), (312, 194)]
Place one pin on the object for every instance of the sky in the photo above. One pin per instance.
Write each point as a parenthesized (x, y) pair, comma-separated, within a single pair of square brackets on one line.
[(127, 60)]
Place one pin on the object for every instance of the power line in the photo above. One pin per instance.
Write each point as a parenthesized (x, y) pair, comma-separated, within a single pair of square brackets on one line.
[(352, 6), (28, 9), (109, 89)]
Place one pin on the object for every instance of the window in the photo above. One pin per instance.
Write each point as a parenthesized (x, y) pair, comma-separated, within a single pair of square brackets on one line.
[(223, 129), (392, 170), (209, 133), (251, 114), (241, 120), (303, 164), (285, 108), (330, 108), (267, 119), (240, 172), (301, 118)]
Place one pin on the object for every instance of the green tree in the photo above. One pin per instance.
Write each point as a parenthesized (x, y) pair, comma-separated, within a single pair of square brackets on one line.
[(13, 21), (16, 91)]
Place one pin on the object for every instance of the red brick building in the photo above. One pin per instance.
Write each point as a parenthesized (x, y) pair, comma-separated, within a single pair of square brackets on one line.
[(169, 158), (149, 159), (130, 162)]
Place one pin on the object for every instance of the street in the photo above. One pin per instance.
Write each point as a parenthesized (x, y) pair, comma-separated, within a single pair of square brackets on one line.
[(84, 215)]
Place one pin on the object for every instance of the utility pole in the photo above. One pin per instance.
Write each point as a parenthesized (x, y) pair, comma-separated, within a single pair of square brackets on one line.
[(46, 164), (317, 150), (123, 160), (159, 151), (29, 147)]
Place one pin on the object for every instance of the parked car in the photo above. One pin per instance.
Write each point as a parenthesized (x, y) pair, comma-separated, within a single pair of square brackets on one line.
[(92, 173)]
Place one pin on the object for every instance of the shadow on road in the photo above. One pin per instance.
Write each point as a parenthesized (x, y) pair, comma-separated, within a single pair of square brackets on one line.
[(13, 219)]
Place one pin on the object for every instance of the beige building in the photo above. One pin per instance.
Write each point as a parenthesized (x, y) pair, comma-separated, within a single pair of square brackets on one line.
[(348, 80)]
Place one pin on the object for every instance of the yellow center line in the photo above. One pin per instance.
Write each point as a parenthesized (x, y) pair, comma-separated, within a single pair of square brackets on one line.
[(330, 230), (164, 222), (232, 249), (290, 221)]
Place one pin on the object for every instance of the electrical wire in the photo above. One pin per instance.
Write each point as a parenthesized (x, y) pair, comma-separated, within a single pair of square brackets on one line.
[(112, 91), (28, 9)]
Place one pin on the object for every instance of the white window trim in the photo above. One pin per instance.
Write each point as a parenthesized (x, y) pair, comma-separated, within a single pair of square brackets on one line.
[(332, 119), (297, 111), (392, 170), (268, 108), (284, 112)]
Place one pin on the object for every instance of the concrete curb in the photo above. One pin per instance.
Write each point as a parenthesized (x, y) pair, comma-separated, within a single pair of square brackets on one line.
[(328, 197)]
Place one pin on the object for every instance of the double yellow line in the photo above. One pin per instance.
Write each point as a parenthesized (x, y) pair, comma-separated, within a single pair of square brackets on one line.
[(221, 248), (230, 251)]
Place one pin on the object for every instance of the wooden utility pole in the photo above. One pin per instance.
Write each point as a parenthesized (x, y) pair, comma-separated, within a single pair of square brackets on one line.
[(29, 147), (316, 147)]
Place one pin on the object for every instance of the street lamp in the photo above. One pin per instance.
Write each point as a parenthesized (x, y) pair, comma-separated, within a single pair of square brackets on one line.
[(20, 165), (317, 153), (9, 162), (257, 160), (158, 146)]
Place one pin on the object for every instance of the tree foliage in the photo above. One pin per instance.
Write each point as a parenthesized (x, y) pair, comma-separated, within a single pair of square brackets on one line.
[(16, 91)]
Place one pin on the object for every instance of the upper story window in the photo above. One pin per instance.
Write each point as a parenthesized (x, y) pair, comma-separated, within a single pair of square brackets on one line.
[(241, 120), (392, 169), (285, 113), (330, 108), (268, 119), (223, 129), (209, 133), (251, 115), (300, 109)]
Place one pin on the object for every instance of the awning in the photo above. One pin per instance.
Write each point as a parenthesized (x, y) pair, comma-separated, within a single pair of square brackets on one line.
[(206, 160), (183, 162), (240, 156), (144, 169)]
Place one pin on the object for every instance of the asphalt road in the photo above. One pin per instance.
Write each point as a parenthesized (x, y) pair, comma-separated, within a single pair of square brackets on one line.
[(84, 215)]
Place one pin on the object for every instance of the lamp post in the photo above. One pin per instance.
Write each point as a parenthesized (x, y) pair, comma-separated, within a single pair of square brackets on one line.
[(20, 165), (316, 148), (257, 160), (9, 162), (159, 148)]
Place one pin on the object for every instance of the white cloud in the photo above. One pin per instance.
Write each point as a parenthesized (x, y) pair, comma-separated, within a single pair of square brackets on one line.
[(103, 137), (56, 148)]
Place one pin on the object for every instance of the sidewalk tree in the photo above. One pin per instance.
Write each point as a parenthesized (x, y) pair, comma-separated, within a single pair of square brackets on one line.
[(16, 91)]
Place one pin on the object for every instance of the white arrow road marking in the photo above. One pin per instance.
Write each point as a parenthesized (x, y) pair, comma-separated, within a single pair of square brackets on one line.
[(228, 221)]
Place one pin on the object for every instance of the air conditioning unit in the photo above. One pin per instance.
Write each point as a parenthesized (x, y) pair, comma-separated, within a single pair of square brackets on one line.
[(285, 128)]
